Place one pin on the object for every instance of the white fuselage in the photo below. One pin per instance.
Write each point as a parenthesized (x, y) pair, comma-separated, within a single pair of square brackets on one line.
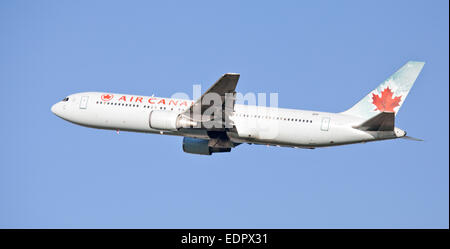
[(253, 124)]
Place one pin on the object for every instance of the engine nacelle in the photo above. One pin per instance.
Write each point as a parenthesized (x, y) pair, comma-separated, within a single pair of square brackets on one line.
[(200, 146), (168, 120)]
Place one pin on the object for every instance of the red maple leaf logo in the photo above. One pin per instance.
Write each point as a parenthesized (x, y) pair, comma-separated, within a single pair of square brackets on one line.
[(107, 97), (386, 103)]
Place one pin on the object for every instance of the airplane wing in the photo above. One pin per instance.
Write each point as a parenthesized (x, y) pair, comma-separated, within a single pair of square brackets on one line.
[(219, 98)]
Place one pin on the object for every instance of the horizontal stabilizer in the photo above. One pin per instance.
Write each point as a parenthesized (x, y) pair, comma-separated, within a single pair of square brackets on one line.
[(412, 138), (381, 122)]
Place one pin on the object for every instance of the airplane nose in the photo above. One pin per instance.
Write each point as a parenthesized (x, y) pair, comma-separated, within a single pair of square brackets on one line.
[(53, 108), (56, 109)]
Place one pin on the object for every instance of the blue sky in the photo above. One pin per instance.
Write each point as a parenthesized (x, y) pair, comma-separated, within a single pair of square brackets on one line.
[(319, 55)]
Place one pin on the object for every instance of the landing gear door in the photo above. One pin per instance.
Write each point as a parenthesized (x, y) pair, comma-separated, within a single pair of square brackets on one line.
[(325, 124), (84, 102)]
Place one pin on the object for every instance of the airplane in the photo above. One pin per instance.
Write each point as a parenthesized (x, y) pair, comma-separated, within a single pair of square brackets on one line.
[(216, 123)]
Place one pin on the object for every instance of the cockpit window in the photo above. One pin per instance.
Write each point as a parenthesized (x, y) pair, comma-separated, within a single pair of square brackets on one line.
[(66, 99)]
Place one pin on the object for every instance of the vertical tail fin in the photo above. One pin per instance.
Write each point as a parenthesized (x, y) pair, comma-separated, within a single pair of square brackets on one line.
[(389, 95)]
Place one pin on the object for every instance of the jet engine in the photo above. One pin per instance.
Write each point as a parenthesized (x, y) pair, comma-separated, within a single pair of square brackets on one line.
[(168, 120), (200, 146)]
